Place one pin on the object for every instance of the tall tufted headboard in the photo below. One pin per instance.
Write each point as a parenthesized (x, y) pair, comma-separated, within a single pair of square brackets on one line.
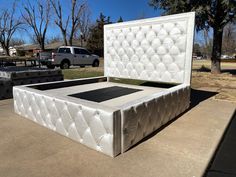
[(155, 49)]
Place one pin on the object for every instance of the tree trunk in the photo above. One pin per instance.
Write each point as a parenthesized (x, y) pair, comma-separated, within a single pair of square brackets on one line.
[(65, 41), (64, 37), (6, 49), (71, 36), (71, 41), (7, 52), (42, 46), (216, 51)]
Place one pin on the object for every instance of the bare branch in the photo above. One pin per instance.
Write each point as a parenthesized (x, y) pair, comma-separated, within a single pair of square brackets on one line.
[(37, 17), (78, 14), (84, 22), (8, 26), (59, 19)]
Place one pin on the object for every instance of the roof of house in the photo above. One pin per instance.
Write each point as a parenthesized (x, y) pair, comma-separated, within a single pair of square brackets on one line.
[(50, 46)]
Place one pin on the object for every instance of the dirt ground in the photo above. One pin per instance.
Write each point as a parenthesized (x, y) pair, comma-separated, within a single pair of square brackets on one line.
[(224, 84)]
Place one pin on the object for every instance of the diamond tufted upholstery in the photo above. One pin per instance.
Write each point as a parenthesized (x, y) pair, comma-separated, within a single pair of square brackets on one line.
[(97, 128), (159, 50), (145, 116), (155, 49)]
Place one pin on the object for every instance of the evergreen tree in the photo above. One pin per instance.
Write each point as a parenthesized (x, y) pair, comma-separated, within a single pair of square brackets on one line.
[(209, 13), (95, 40), (120, 19), (197, 49)]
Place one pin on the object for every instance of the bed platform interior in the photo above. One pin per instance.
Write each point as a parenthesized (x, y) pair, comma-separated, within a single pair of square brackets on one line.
[(103, 92)]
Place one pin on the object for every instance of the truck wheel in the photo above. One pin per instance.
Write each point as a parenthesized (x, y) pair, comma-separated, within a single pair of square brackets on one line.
[(65, 65), (95, 63), (50, 66)]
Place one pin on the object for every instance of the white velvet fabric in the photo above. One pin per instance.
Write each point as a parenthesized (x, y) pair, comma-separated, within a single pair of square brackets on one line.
[(146, 115), (157, 49), (94, 126)]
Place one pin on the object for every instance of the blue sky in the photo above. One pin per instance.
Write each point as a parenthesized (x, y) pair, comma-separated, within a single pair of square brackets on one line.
[(128, 9)]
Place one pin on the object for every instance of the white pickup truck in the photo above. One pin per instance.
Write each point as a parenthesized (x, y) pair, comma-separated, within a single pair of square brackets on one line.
[(69, 55)]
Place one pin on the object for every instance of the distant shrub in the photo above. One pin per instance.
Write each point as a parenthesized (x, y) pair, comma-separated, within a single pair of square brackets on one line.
[(20, 53)]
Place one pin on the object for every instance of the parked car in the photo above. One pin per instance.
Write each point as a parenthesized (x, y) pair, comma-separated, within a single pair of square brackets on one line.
[(198, 57), (226, 57), (43, 55), (67, 56)]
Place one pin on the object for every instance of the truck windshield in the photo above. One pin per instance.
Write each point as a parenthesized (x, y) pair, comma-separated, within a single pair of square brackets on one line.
[(64, 50)]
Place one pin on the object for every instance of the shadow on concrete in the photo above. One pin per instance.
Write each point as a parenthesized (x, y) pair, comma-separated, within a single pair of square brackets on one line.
[(197, 96), (205, 69), (223, 163)]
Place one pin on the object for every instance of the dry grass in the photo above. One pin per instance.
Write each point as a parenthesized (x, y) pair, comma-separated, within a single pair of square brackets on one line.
[(207, 63), (224, 84)]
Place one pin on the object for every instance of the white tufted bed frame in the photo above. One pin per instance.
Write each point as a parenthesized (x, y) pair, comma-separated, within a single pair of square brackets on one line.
[(156, 50)]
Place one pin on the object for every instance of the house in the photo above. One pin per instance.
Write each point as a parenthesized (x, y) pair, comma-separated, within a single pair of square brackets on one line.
[(34, 49), (12, 51)]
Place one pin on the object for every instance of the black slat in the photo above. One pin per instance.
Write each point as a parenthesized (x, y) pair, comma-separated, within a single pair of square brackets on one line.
[(104, 94)]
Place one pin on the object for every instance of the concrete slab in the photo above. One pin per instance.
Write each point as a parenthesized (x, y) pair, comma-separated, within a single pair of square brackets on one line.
[(183, 148), (224, 162)]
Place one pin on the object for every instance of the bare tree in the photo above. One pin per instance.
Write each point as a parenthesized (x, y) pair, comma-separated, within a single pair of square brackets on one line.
[(33, 39), (207, 43), (17, 42), (74, 19), (53, 39), (228, 44), (8, 26), (37, 17), (59, 19), (84, 23)]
